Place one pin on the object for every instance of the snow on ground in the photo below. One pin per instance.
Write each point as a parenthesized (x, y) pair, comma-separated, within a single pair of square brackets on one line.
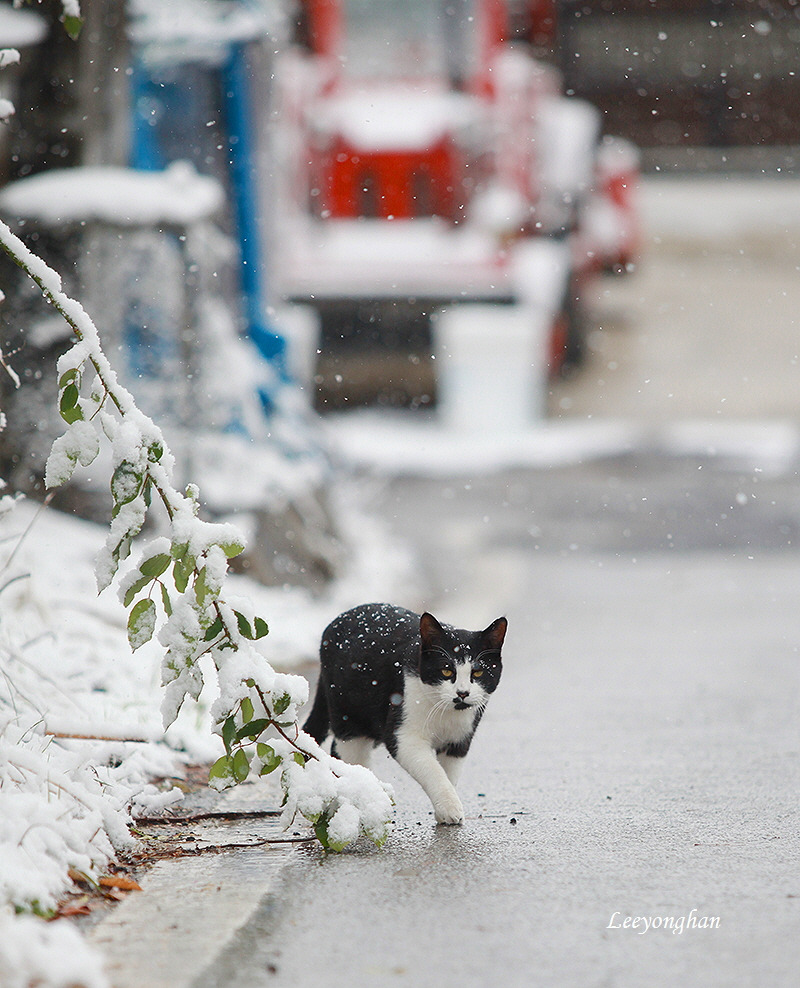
[(401, 443), (719, 209), (66, 667)]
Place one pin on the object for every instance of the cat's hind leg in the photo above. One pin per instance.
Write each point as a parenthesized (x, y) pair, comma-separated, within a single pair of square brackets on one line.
[(354, 751)]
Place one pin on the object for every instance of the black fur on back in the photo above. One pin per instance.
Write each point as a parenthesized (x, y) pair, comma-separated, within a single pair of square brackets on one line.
[(362, 657)]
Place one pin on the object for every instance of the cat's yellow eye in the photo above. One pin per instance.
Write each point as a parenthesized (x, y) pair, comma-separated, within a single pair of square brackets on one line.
[(447, 673), (477, 673)]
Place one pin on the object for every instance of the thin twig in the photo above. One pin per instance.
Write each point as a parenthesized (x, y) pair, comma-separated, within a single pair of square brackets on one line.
[(74, 736)]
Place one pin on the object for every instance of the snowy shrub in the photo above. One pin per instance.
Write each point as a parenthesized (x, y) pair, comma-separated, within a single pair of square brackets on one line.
[(174, 591), (41, 838)]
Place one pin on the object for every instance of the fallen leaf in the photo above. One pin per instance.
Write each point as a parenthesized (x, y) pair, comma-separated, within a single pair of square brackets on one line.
[(120, 882), (79, 906), (79, 878), (75, 910)]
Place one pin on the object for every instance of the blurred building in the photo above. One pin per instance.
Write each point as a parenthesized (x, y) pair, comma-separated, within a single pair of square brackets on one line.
[(694, 83)]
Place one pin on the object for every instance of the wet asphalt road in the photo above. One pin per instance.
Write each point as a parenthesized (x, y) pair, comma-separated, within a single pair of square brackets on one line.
[(640, 761)]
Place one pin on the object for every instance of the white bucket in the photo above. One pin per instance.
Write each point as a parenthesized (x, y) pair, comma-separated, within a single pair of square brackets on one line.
[(491, 366)]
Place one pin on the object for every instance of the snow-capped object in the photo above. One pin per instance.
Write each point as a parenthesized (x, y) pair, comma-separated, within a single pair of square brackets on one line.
[(117, 196), (200, 30), (396, 119), (20, 28)]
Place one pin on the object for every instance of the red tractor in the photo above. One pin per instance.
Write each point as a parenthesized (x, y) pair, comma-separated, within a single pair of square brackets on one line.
[(421, 156)]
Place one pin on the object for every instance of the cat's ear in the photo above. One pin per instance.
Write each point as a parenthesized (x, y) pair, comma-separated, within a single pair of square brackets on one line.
[(430, 630), (495, 634)]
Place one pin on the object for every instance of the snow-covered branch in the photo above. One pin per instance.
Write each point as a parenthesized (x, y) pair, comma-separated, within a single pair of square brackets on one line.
[(175, 592)]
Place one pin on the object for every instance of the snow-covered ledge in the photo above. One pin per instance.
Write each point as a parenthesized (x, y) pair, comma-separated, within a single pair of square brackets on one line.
[(177, 196)]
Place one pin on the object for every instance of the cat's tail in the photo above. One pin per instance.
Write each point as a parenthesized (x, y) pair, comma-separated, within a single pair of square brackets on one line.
[(318, 721)]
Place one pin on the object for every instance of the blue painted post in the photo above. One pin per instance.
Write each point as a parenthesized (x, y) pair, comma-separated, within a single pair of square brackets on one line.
[(145, 151), (238, 107)]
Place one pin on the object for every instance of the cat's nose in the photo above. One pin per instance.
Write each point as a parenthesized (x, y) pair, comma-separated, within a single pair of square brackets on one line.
[(462, 694)]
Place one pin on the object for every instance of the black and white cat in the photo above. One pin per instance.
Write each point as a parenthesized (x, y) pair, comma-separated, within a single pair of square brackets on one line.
[(394, 677)]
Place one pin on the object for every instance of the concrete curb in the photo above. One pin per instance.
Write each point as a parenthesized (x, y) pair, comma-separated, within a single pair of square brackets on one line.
[(178, 930)]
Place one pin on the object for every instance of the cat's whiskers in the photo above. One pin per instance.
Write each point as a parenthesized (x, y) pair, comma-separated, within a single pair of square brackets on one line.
[(439, 708)]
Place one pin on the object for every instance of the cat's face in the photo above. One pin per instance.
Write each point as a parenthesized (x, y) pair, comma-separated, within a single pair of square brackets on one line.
[(462, 666)]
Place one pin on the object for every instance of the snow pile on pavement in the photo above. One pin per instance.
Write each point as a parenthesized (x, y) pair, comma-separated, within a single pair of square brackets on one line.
[(420, 444)]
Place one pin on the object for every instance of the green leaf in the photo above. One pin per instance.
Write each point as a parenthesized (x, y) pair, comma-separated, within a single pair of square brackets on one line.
[(126, 482), (299, 757), (379, 839), (68, 404), (134, 589), (201, 590), (182, 571), (247, 709), (214, 630), (155, 451), (69, 396), (155, 565), (253, 729), (321, 830), (221, 769), (166, 601), (120, 551), (281, 704), (244, 626), (73, 25), (68, 377), (141, 623), (270, 761), (232, 549), (229, 733), (179, 549), (246, 630), (241, 765), (41, 911)]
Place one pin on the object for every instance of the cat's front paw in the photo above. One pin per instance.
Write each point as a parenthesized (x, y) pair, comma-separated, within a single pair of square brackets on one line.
[(449, 811)]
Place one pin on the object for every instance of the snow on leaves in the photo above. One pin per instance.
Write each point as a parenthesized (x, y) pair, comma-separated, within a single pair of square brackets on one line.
[(79, 444)]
